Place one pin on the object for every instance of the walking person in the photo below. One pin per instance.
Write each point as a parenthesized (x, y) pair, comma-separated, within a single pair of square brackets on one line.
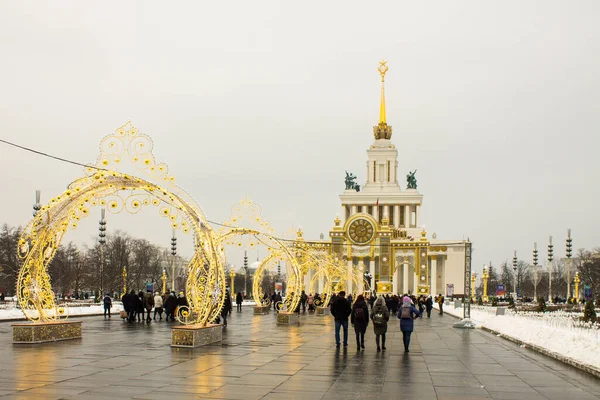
[(238, 301), (429, 305), (407, 314), (139, 306), (311, 303), (440, 301), (303, 299), (148, 304), (158, 305), (170, 306), (226, 310), (380, 316), (360, 320), (107, 305), (129, 304), (341, 310)]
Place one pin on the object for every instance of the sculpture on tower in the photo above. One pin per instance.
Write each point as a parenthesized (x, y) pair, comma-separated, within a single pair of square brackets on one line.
[(411, 181), (351, 182)]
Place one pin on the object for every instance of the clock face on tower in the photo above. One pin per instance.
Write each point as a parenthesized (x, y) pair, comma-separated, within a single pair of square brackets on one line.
[(361, 231)]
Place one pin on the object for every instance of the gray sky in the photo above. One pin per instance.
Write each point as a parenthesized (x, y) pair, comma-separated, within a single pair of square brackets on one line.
[(497, 104)]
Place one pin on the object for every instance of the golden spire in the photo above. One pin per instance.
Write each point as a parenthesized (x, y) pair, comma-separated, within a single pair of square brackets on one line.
[(383, 68), (382, 130)]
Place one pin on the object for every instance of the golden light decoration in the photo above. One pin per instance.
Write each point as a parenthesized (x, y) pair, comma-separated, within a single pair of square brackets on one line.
[(39, 241)]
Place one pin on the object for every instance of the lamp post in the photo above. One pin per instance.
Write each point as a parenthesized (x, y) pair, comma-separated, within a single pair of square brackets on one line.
[(102, 242), (246, 272), (37, 206), (485, 276), (163, 278), (569, 247), (473, 280), (232, 279), (535, 267), (124, 275), (550, 258), (515, 274), (577, 281), (173, 254)]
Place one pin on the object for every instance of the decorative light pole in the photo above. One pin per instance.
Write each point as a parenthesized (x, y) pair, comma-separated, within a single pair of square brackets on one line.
[(569, 248), (577, 281), (232, 279), (37, 206), (124, 275), (485, 276), (515, 273), (163, 278), (173, 254), (102, 242), (550, 267), (473, 280), (246, 270), (535, 267)]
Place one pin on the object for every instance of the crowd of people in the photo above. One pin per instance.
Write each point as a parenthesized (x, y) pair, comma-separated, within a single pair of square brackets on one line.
[(140, 306), (405, 308)]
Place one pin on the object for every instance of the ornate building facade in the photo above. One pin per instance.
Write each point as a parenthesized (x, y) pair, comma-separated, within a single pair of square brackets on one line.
[(379, 233)]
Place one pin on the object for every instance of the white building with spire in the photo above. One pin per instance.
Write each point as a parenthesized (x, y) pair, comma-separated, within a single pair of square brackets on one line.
[(379, 228)]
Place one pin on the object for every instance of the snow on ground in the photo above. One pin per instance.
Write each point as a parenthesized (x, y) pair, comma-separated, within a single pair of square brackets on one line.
[(556, 332)]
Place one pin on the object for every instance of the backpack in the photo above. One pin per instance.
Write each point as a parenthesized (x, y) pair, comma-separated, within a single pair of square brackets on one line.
[(379, 318), (406, 312), (359, 314)]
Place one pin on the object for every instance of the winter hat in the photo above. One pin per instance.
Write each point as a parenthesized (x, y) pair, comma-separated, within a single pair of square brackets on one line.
[(406, 299)]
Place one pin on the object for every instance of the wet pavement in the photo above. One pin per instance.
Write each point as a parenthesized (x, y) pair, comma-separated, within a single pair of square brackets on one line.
[(260, 360)]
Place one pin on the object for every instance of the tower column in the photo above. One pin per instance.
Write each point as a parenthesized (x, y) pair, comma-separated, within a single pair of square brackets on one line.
[(396, 216), (433, 281), (376, 212), (353, 209), (417, 215), (405, 280), (343, 215), (363, 208), (407, 216), (386, 212)]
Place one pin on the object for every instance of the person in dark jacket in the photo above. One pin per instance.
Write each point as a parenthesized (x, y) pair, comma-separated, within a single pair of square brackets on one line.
[(303, 300), (341, 310), (226, 310), (170, 306), (360, 320), (148, 304), (406, 314), (129, 304), (107, 305), (239, 299), (139, 306), (380, 316), (429, 306)]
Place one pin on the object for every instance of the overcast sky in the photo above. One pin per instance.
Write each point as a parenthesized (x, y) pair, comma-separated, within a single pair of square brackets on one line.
[(496, 104)]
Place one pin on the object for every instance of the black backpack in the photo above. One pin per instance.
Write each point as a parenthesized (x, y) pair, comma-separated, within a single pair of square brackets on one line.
[(359, 314)]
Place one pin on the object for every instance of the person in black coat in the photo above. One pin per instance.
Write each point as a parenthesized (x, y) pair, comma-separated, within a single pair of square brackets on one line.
[(226, 310), (239, 299), (428, 306), (360, 320), (170, 306), (341, 310), (139, 306), (129, 304)]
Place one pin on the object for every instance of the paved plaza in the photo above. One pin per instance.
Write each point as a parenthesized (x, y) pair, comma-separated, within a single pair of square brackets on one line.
[(260, 360)]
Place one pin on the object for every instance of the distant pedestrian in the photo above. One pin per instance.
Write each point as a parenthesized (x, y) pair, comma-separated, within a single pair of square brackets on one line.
[(148, 304), (303, 300), (238, 301), (440, 301), (139, 306), (380, 316), (170, 306), (129, 304), (158, 305), (429, 305), (360, 321), (107, 305), (311, 303), (341, 310), (226, 310), (406, 314)]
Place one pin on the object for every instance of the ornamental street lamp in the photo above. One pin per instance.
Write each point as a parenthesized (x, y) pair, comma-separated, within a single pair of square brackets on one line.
[(577, 281), (515, 273), (173, 254), (246, 270), (550, 258), (124, 275), (232, 279), (569, 247), (37, 206), (102, 242), (473, 280), (163, 278), (485, 276), (535, 267)]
